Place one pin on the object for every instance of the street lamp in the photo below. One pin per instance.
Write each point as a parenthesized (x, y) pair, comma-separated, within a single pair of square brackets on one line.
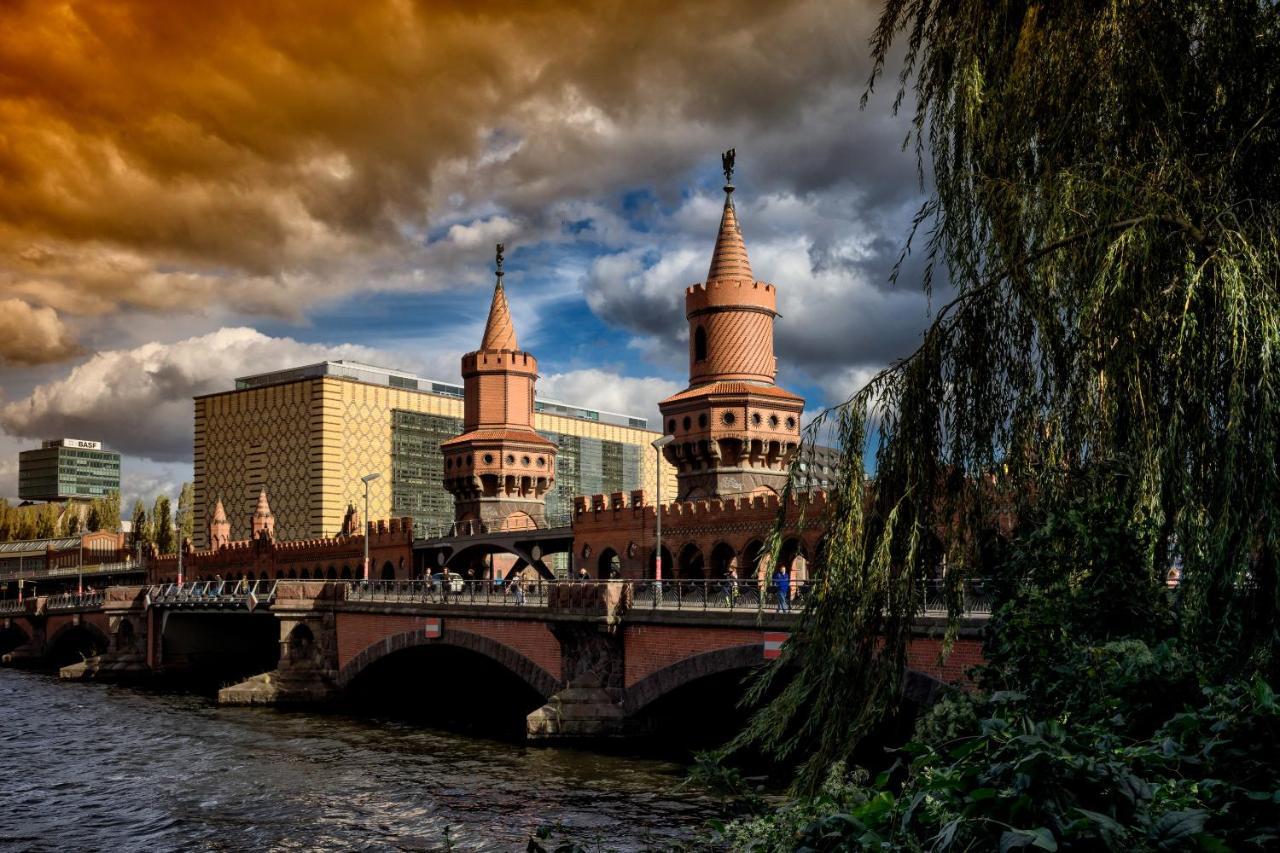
[(367, 479), (658, 444)]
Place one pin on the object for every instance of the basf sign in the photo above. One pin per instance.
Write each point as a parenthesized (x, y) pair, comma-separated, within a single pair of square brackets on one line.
[(81, 444)]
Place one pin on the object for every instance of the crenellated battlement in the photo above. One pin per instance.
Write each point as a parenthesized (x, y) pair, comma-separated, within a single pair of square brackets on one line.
[(730, 293), (606, 510), (484, 361)]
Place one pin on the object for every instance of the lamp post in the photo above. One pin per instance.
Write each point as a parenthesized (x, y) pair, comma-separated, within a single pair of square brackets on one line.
[(367, 479), (658, 444)]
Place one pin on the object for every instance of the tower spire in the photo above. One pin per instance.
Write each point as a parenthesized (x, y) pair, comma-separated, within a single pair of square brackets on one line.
[(499, 331), (729, 260)]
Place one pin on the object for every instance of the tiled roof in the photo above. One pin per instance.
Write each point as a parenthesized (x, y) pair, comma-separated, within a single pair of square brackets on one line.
[(729, 260), (525, 436), (730, 387), (499, 332)]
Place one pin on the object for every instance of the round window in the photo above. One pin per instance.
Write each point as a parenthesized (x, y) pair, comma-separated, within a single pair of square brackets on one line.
[(541, 462), (687, 422), (702, 421), (729, 418), (773, 421), (488, 459), (755, 418), (511, 460), (525, 461), (791, 423)]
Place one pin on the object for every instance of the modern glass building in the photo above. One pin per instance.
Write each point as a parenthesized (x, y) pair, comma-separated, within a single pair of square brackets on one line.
[(68, 469), (308, 434)]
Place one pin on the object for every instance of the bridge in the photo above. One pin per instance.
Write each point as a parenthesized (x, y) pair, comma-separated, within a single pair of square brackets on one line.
[(461, 542), (574, 660)]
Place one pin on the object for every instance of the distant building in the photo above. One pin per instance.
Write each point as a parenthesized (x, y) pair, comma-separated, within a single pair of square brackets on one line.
[(308, 435), (68, 469)]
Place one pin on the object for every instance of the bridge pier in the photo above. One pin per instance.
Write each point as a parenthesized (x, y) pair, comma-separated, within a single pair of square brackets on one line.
[(590, 706), (308, 667)]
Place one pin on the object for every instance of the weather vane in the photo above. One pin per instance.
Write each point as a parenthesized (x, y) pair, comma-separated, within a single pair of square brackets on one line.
[(500, 249), (726, 160)]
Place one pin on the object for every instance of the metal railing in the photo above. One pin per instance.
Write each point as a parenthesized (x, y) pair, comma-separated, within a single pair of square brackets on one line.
[(12, 605), (72, 600), (975, 599), (248, 594), (721, 595), (36, 574), (484, 528)]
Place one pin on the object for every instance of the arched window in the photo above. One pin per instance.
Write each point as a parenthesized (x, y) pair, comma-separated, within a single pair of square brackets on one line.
[(700, 344)]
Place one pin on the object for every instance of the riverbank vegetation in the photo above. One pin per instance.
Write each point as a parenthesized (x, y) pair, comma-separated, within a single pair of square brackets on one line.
[(1093, 413)]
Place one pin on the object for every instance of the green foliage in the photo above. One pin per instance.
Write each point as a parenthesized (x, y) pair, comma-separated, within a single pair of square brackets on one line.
[(73, 523), (1106, 206), (141, 527), (93, 522), (162, 525), (186, 513)]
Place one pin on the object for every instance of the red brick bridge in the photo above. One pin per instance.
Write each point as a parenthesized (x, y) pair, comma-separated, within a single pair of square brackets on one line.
[(581, 660)]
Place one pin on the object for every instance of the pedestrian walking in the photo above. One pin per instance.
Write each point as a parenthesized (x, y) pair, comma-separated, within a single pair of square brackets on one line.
[(517, 589), (782, 582)]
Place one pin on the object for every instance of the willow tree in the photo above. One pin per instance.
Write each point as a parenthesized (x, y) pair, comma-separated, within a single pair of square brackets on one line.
[(1103, 210)]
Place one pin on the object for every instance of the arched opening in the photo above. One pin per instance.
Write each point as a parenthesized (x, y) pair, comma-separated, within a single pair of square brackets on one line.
[(749, 563), (346, 573), (125, 637), (332, 574), (691, 566), (12, 638), (723, 558), (306, 575), (388, 571), (700, 344), (668, 564), (609, 565), (404, 685), (293, 574), (75, 643), (300, 645)]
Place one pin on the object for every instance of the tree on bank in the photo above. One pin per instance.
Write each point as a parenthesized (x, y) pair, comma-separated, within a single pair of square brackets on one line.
[(162, 525), (186, 513), (141, 534), (1101, 373)]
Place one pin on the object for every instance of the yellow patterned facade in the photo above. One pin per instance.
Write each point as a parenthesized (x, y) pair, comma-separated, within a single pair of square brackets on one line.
[(308, 443)]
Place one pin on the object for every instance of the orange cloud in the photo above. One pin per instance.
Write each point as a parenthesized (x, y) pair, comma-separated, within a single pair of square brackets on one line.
[(260, 156)]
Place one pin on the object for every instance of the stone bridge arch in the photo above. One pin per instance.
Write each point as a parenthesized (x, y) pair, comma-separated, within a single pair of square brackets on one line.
[(670, 678), (537, 678), (59, 646), (14, 635)]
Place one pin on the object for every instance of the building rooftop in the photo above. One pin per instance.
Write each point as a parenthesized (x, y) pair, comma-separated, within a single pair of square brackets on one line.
[(375, 375)]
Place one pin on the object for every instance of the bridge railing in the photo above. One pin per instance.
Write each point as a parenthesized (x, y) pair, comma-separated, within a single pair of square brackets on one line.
[(12, 605), (720, 595), (214, 593), (73, 600)]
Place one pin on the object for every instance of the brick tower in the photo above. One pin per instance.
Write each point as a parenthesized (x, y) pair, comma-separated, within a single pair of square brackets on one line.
[(735, 429), (499, 470), (219, 528)]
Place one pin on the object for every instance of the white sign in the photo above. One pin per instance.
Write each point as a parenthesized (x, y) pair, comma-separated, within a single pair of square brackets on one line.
[(82, 444)]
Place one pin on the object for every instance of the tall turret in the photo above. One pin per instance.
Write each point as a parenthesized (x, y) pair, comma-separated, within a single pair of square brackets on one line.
[(499, 470), (735, 429)]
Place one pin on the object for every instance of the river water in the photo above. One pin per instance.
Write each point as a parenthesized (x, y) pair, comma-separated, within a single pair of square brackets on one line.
[(101, 767)]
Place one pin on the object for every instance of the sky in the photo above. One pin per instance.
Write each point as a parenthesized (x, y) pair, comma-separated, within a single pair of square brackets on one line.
[(195, 192)]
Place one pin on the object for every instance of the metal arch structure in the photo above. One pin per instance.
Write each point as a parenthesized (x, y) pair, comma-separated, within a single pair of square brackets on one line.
[(527, 546)]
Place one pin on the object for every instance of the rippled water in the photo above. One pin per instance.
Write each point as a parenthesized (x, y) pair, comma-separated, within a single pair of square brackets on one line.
[(99, 767)]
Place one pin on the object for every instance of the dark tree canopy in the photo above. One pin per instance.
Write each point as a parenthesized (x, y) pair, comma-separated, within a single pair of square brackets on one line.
[(1105, 205)]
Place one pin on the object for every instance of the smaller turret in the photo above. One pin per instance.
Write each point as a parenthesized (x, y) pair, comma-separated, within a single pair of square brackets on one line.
[(219, 528), (264, 521)]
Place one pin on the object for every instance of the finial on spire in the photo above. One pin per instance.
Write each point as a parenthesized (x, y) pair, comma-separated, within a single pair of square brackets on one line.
[(500, 250), (726, 162)]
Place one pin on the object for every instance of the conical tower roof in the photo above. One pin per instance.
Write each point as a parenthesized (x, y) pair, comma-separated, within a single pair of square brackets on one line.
[(729, 260), (499, 332), (219, 512), (264, 508)]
